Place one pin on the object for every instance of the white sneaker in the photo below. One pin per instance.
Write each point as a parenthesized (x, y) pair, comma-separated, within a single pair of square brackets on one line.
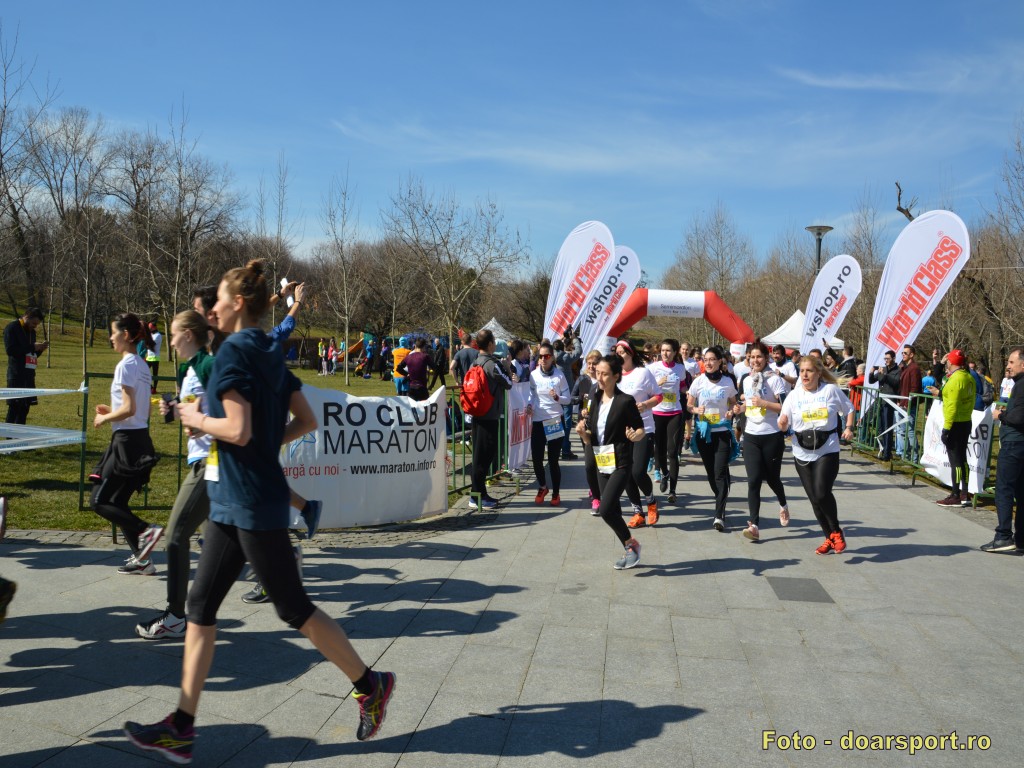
[(166, 626), (135, 567), (751, 532), (719, 524), (148, 540)]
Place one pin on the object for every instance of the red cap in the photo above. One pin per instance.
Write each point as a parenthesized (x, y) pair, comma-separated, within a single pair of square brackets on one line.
[(956, 357)]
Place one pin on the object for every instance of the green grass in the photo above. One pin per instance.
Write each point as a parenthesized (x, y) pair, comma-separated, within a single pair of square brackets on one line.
[(42, 485)]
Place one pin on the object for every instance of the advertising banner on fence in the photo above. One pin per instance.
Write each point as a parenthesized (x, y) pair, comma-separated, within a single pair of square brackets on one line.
[(614, 287), (519, 425), (582, 260), (923, 263), (372, 460), (835, 289), (933, 452)]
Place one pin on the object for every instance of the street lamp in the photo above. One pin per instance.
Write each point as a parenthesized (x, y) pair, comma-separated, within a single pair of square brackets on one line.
[(819, 231)]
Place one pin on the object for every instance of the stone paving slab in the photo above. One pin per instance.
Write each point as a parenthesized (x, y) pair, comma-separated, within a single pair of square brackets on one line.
[(517, 644)]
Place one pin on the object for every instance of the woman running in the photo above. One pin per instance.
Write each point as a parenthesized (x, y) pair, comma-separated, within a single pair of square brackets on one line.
[(583, 394), (129, 459), (670, 376), (549, 392), (250, 393), (189, 335), (613, 428), (761, 395), (815, 409), (639, 382), (711, 398)]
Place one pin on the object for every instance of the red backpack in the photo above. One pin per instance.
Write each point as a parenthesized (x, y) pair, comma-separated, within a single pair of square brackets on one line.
[(476, 398)]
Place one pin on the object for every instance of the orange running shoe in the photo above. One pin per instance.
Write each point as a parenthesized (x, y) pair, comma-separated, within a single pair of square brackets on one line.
[(541, 493), (838, 542), (637, 521), (652, 513), (556, 500), (825, 547)]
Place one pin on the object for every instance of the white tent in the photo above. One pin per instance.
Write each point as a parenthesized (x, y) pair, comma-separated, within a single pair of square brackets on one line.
[(788, 334), (500, 334)]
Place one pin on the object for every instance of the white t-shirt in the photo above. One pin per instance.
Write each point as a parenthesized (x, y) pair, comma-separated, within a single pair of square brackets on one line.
[(1005, 389), (158, 340), (131, 372), (191, 387), (713, 396), (641, 384), (770, 387), (786, 369), (741, 369), (822, 409), (545, 406), (602, 418), (692, 367), (673, 390)]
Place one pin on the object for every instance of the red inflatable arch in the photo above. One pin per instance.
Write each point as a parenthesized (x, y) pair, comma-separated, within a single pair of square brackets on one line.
[(705, 304)]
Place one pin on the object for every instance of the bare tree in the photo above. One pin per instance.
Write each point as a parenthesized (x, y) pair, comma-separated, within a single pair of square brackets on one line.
[(459, 248)]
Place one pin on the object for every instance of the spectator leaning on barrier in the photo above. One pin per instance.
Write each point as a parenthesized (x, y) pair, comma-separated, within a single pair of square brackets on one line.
[(486, 437), (957, 395), (888, 379), (1010, 464), (22, 350), (910, 384)]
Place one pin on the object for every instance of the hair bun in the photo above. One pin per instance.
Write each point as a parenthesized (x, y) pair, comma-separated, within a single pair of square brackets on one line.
[(256, 267)]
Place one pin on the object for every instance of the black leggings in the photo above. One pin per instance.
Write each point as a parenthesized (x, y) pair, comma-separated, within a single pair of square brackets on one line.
[(226, 549), (590, 465), (762, 456), (818, 477), (110, 500), (485, 452), (667, 430), (611, 510), (639, 481), (956, 450), (715, 456), (554, 447)]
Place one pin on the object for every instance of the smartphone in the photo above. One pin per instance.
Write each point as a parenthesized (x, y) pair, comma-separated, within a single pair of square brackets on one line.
[(172, 400)]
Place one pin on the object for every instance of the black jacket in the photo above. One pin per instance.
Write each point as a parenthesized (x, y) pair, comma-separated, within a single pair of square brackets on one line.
[(18, 342), (1011, 423), (498, 381), (623, 413), (888, 380)]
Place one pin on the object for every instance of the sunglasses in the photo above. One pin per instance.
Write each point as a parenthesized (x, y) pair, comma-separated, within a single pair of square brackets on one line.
[(546, 357)]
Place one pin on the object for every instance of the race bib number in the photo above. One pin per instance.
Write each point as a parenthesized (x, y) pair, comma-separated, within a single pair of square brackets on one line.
[(553, 429), (212, 473), (711, 415), (669, 397), (756, 415), (30, 361), (604, 455), (814, 417)]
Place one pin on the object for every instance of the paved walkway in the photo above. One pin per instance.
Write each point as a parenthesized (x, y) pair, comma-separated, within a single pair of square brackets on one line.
[(517, 644)]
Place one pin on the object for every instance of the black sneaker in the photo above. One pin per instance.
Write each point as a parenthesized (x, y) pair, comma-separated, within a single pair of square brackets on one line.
[(311, 515), (664, 484), (373, 706), (256, 595), (164, 738), (133, 566), (999, 545)]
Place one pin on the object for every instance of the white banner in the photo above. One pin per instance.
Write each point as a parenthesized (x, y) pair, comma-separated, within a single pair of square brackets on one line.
[(520, 425), (934, 457), (581, 262), (662, 303), (615, 285), (835, 289), (372, 460), (923, 263)]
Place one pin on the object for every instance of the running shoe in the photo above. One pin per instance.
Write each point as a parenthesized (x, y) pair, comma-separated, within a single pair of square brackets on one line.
[(671, 497), (133, 566), (657, 476), (556, 500), (595, 504), (838, 542), (164, 738), (637, 521), (784, 515), (473, 503), (752, 532), (166, 626), (541, 493), (652, 513), (664, 484), (825, 547), (373, 706), (996, 545), (148, 540), (489, 503), (7, 590), (311, 515), (719, 524), (965, 499), (256, 595), (953, 500), (630, 556)]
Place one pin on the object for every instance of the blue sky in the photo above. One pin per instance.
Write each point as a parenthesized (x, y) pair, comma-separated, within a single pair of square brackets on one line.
[(641, 115)]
